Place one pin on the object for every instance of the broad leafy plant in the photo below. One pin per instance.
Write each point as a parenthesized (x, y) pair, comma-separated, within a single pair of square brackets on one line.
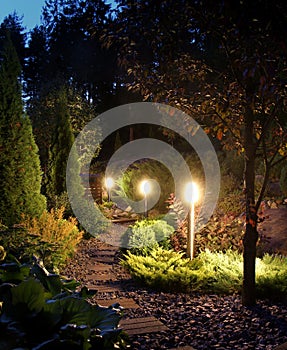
[(41, 310)]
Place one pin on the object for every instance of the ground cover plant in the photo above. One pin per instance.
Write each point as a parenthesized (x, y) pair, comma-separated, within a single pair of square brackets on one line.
[(208, 272)]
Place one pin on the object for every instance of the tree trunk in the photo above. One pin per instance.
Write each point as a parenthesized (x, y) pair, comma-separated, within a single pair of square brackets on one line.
[(251, 234)]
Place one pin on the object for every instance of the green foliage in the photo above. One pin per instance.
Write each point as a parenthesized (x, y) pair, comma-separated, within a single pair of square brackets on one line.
[(90, 216), (146, 234), (19, 163), (61, 235), (62, 142), (62, 201), (23, 245), (271, 276), (231, 198), (209, 272), (170, 271), (51, 238), (44, 311)]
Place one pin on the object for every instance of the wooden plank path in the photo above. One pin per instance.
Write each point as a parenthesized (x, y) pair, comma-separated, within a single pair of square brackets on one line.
[(142, 325), (104, 280), (102, 276)]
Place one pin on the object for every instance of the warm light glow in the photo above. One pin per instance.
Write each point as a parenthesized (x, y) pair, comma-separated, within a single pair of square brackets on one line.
[(191, 192), (109, 182), (145, 187)]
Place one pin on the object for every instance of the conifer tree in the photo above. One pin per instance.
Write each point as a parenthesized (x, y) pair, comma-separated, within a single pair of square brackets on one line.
[(62, 142), (20, 172)]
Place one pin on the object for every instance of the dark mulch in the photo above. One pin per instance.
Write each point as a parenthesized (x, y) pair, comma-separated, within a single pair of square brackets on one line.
[(203, 322)]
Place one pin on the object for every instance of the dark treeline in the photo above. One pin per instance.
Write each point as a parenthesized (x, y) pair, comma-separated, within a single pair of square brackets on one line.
[(67, 51)]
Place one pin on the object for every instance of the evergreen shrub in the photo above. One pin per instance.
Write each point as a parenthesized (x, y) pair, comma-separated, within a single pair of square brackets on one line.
[(209, 272), (146, 234), (20, 173)]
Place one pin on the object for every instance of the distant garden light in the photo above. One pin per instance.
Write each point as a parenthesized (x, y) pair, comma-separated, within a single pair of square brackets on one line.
[(145, 188), (191, 196), (109, 183)]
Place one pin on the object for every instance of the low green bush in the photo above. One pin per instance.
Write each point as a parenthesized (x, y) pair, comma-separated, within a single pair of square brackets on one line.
[(271, 277), (146, 234), (167, 270), (209, 272)]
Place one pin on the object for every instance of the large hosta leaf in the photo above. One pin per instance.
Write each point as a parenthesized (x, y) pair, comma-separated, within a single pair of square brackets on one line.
[(29, 295), (104, 318), (75, 310)]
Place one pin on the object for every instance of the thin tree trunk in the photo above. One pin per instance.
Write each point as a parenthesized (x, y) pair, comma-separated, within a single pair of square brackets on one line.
[(251, 234)]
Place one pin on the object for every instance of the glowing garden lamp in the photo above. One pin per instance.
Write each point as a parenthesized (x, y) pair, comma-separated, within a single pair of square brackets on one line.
[(191, 196), (109, 182), (145, 187)]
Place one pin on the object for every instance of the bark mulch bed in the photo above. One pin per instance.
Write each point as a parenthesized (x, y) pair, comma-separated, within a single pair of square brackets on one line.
[(204, 322)]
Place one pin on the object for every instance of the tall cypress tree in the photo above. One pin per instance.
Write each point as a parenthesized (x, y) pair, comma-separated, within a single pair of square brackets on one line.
[(61, 145), (19, 162)]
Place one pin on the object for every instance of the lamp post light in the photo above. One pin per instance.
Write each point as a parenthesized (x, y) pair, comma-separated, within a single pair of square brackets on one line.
[(191, 196), (145, 189), (109, 182)]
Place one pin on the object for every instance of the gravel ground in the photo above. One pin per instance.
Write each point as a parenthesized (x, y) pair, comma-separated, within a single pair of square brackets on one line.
[(204, 322)]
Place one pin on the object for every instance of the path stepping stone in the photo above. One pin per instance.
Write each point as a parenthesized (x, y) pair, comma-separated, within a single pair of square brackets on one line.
[(108, 252), (108, 259), (96, 266), (107, 288), (102, 277), (142, 325), (126, 303)]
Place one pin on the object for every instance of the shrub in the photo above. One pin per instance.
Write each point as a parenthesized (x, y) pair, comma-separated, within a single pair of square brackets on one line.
[(53, 229), (169, 271), (271, 276), (23, 245), (231, 199), (209, 272), (146, 234)]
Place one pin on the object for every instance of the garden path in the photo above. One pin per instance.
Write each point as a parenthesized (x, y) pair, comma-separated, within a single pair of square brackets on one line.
[(104, 274)]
